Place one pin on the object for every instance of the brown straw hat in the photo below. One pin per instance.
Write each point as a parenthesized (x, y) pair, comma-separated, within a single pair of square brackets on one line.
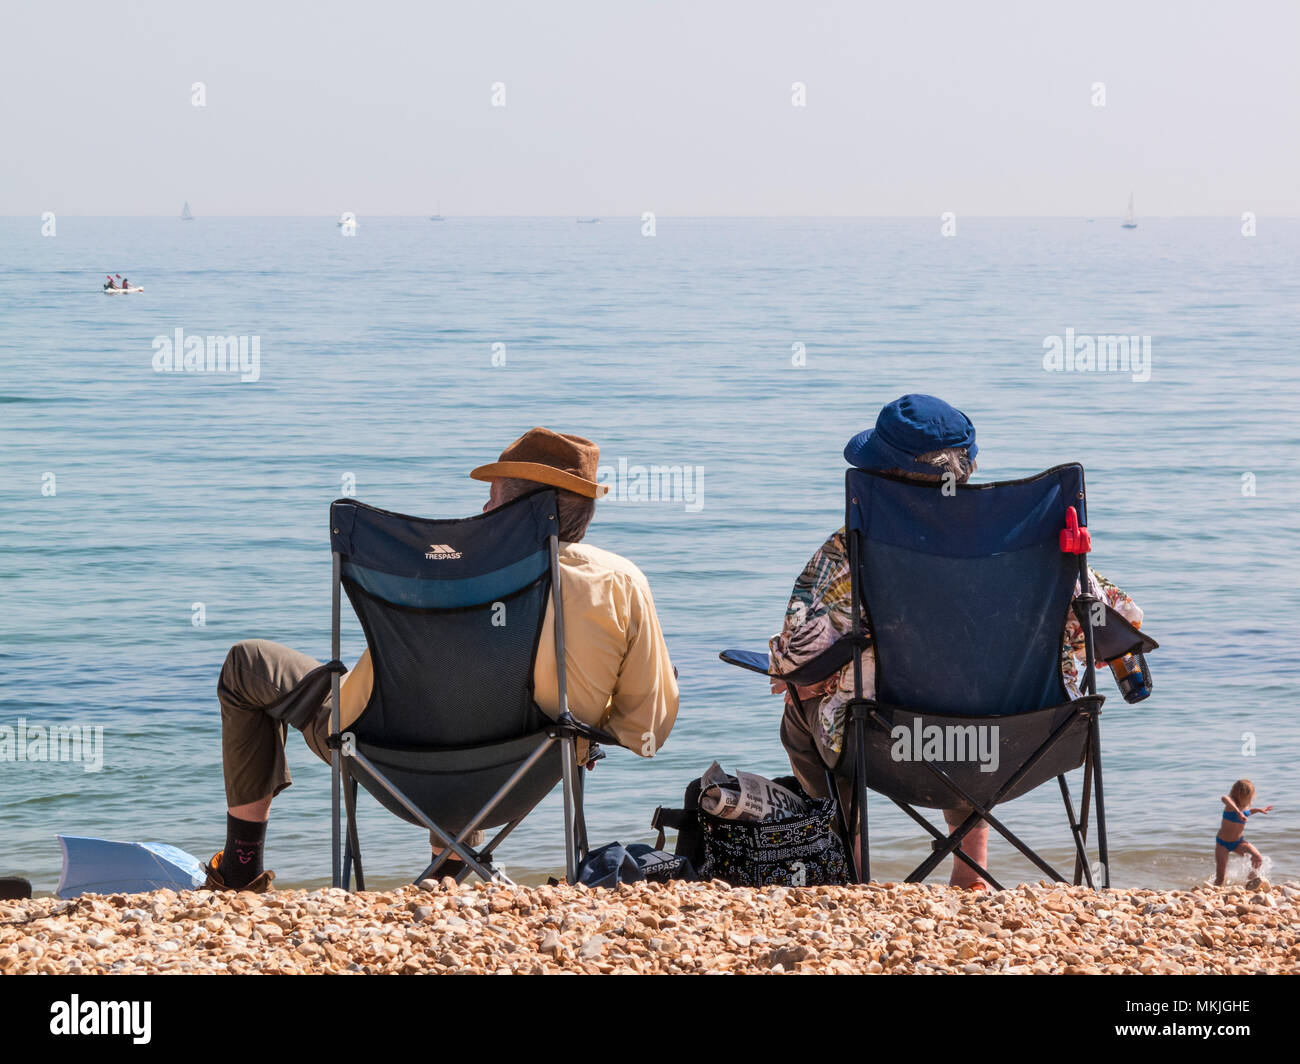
[(553, 458)]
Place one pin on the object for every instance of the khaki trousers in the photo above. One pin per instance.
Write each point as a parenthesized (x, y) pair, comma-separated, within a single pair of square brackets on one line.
[(259, 674)]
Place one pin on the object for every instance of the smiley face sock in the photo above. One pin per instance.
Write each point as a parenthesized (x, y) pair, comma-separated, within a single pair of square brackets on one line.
[(241, 860)]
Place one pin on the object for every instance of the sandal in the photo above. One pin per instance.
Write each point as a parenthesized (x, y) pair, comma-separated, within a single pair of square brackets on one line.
[(260, 885)]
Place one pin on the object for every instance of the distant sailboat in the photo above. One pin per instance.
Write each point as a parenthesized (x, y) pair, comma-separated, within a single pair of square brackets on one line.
[(187, 215), (587, 221), (437, 217), (1129, 222)]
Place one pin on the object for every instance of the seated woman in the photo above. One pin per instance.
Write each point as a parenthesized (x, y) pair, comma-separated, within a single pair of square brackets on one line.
[(921, 438)]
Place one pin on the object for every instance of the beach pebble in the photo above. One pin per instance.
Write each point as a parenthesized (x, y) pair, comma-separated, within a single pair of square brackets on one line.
[(674, 927), (788, 957), (593, 947)]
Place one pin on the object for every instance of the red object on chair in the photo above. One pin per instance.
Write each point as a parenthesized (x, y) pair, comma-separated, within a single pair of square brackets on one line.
[(1074, 540)]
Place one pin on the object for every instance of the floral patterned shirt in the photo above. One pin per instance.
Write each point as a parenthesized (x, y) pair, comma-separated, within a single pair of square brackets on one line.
[(819, 614)]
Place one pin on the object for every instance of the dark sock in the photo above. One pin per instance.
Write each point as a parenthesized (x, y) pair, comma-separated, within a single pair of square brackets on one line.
[(241, 860)]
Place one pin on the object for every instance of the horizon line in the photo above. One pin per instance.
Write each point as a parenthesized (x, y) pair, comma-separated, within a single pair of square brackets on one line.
[(637, 217)]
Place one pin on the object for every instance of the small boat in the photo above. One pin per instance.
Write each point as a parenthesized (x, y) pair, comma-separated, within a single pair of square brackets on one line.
[(187, 215), (121, 291), (437, 217), (587, 221), (1129, 222)]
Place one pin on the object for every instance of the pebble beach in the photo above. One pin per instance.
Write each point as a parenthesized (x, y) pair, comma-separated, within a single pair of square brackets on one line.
[(439, 927)]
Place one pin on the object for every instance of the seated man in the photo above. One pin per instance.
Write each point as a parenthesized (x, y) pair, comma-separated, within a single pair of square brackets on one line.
[(619, 676), (921, 438)]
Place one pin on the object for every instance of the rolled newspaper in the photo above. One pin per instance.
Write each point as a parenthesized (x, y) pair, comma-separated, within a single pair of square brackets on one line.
[(746, 796)]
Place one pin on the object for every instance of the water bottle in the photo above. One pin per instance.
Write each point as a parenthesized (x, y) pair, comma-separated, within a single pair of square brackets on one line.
[(1132, 675)]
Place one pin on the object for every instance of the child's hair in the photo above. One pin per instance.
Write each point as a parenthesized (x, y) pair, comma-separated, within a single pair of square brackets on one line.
[(1242, 792)]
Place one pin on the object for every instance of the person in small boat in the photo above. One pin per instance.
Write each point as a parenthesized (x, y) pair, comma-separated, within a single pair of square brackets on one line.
[(1232, 830), (109, 283), (619, 675), (921, 438), (126, 285)]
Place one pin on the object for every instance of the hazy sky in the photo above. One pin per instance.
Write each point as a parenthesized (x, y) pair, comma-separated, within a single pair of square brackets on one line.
[(615, 107)]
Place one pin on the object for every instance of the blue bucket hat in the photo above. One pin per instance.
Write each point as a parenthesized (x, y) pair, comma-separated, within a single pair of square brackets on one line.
[(908, 427)]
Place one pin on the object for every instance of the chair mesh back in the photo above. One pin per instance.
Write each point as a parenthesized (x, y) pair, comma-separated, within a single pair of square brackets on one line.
[(967, 593), (452, 612)]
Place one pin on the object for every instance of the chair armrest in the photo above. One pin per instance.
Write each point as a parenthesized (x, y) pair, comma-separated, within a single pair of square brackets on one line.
[(814, 670), (753, 660), (572, 725), (1116, 636)]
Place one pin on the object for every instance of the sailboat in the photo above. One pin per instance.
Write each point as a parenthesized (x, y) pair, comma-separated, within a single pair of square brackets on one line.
[(587, 221), (187, 215), (1129, 223), (437, 217)]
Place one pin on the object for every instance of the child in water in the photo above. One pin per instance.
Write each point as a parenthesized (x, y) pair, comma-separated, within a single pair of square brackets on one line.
[(1236, 807)]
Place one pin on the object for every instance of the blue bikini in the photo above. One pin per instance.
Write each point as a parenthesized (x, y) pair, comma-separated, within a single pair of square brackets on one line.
[(1232, 818)]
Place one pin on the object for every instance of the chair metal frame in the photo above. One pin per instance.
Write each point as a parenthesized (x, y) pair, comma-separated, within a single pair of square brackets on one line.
[(565, 730), (865, 713)]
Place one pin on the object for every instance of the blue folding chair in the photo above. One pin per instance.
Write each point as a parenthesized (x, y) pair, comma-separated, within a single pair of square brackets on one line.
[(452, 738), (965, 590)]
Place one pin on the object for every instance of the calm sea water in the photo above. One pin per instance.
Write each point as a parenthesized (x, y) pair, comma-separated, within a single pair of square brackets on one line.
[(377, 362)]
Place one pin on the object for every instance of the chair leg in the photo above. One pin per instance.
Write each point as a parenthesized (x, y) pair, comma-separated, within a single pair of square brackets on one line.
[(568, 760), (1082, 871), (458, 848), (336, 870), (484, 856), (579, 811), (940, 837), (347, 836), (336, 755), (465, 872), (945, 845), (983, 810), (1085, 805), (860, 788), (1103, 853), (352, 855)]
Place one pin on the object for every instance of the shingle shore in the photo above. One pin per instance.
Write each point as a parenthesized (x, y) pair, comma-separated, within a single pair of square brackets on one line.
[(680, 927)]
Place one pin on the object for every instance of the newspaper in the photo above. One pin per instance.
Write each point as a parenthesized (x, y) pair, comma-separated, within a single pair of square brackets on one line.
[(746, 796)]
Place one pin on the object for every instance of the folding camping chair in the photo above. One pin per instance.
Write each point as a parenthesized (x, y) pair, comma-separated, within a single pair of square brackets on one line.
[(964, 595), (451, 738)]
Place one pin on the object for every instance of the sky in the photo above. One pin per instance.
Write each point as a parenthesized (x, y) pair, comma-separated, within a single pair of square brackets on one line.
[(622, 106)]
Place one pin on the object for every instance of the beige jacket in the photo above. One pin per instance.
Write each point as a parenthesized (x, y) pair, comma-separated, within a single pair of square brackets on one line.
[(617, 670)]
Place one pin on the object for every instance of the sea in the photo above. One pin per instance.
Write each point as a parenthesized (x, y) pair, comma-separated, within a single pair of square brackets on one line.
[(151, 517)]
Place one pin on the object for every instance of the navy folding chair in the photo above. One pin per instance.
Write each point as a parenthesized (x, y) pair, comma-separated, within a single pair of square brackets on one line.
[(965, 591), (452, 738)]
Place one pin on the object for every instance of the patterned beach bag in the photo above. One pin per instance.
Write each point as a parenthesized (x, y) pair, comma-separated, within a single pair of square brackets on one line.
[(794, 851)]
